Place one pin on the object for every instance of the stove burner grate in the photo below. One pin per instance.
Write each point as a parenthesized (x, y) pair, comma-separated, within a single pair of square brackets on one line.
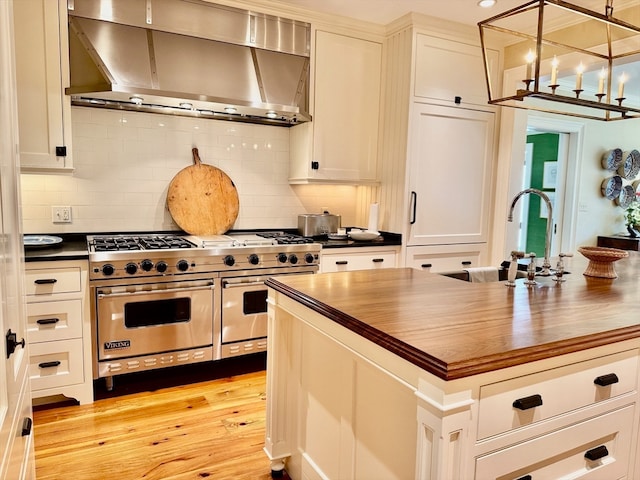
[(155, 242), (285, 238)]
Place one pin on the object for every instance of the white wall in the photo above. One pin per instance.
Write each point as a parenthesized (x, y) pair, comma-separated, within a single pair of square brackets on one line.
[(124, 162)]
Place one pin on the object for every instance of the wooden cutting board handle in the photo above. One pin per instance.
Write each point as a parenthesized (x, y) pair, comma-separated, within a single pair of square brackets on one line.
[(196, 156)]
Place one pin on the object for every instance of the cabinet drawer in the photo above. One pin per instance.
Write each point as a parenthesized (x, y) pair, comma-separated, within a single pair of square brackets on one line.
[(55, 364), (357, 261), (560, 390), (446, 258), (562, 454), (56, 320), (47, 281)]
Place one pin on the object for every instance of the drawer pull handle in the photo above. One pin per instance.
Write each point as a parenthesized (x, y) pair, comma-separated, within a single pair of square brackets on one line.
[(27, 423), (52, 364), (377, 260), (426, 265), (342, 262), (528, 402), (45, 281), (526, 477), (605, 380), (47, 321), (596, 453), (466, 262)]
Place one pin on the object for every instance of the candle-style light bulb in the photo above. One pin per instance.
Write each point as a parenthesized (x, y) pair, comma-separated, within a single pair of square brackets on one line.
[(601, 77), (529, 58), (579, 71), (554, 71), (623, 78)]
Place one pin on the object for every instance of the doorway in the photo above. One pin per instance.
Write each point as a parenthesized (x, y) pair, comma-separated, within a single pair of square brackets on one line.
[(545, 170)]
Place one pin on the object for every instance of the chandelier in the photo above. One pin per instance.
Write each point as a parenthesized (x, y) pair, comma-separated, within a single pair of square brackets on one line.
[(562, 58)]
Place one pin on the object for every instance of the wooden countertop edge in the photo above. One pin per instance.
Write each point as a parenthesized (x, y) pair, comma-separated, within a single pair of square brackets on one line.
[(470, 367)]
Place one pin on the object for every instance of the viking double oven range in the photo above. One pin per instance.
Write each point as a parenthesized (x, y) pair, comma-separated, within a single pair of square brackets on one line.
[(161, 300)]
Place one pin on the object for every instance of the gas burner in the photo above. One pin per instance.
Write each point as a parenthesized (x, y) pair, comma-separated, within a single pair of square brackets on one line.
[(285, 238), (148, 242)]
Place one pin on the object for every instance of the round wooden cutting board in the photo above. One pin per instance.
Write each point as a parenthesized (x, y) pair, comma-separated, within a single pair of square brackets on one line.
[(202, 199)]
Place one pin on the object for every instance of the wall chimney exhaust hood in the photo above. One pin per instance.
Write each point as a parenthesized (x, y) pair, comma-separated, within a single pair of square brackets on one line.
[(189, 57)]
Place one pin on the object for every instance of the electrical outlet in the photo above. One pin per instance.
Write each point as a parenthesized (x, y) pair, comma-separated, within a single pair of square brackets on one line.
[(61, 214)]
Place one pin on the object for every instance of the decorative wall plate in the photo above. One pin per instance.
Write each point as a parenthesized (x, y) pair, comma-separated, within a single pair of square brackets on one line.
[(630, 165), (612, 159), (627, 196), (611, 187)]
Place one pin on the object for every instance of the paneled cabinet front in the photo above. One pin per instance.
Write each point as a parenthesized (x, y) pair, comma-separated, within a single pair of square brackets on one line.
[(59, 330), (346, 259), (340, 145), (451, 160), (44, 111)]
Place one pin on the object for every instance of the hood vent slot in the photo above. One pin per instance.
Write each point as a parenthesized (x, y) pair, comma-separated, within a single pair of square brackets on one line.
[(187, 57)]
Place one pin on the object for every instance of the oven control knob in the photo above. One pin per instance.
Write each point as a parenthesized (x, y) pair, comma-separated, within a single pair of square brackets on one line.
[(161, 267), (183, 265), (254, 259), (282, 257), (131, 268), (146, 265), (108, 269), (229, 261), (308, 257), (293, 259)]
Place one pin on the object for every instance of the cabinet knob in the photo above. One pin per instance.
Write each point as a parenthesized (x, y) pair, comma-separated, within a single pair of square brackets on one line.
[(526, 403), (596, 453), (27, 423), (13, 343), (315, 165), (605, 380)]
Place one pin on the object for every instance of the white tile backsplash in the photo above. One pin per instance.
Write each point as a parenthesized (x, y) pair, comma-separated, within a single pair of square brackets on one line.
[(124, 162)]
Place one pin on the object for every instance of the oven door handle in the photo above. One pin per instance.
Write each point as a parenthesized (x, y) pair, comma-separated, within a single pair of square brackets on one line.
[(102, 295), (228, 284)]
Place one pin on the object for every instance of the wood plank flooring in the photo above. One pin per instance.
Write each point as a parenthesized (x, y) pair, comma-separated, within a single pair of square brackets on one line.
[(212, 428)]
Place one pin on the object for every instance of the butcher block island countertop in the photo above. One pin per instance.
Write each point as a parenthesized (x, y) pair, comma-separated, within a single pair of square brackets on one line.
[(462, 380), (454, 329)]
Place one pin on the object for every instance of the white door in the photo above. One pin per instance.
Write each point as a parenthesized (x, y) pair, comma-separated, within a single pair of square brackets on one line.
[(16, 446), (451, 153)]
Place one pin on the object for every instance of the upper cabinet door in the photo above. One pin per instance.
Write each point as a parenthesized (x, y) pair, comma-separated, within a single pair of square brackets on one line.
[(446, 69), (42, 70), (451, 160), (340, 145)]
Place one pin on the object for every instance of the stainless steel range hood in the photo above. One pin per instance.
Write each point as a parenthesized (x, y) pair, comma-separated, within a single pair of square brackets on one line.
[(188, 57)]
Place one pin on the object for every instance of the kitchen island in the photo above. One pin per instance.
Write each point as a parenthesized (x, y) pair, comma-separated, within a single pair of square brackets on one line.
[(399, 373)]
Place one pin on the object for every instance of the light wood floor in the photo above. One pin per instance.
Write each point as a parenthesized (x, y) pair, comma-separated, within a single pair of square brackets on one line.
[(206, 429)]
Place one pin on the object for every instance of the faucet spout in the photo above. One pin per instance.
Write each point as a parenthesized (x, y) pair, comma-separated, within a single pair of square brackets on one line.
[(546, 264)]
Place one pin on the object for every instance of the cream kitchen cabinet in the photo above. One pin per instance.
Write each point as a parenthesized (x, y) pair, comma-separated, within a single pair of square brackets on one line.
[(42, 71), (446, 258), (451, 159), (359, 258), (451, 71), (59, 330), (340, 145)]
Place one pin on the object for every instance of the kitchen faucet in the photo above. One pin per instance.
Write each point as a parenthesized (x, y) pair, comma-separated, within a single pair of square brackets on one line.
[(546, 264)]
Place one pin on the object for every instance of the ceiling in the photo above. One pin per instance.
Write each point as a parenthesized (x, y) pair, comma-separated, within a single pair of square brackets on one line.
[(463, 11)]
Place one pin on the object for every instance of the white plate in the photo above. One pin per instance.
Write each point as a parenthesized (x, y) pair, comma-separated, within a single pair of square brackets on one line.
[(364, 236), (40, 240)]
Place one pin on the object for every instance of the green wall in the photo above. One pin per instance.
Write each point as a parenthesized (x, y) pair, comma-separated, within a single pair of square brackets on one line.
[(545, 149)]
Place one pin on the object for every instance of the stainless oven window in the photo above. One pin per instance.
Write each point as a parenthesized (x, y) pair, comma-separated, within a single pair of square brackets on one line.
[(255, 302), (157, 312)]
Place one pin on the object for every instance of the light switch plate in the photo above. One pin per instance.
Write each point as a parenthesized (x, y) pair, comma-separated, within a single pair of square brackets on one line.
[(61, 214)]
